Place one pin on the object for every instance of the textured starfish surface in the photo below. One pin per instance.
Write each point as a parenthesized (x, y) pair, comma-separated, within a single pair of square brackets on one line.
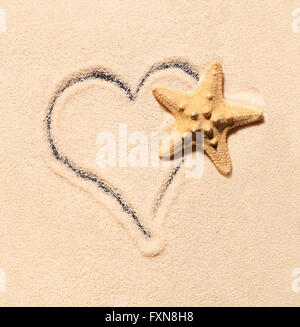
[(206, 110)]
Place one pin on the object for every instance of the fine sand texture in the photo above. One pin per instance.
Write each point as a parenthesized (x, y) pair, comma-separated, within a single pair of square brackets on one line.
[(75, 234)]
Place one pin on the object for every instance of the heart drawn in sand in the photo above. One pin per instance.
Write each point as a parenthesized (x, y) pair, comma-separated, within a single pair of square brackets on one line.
[(147, 237)]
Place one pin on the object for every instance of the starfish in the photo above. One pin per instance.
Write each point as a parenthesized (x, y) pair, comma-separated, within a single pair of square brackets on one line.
[(205, 110)]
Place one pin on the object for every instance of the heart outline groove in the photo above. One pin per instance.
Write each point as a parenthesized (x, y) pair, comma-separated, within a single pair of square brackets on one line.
[(148, 244)]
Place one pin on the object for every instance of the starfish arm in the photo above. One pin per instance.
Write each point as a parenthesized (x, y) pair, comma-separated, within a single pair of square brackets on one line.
[(172, 100), (213, 81), (220, 156), (170, 144), (242, 115)]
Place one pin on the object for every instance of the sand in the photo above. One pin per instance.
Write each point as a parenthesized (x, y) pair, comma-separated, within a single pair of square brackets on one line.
[(226, 240)]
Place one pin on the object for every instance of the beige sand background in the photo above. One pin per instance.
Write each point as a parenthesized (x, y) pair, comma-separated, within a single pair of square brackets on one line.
[(229, 241)]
